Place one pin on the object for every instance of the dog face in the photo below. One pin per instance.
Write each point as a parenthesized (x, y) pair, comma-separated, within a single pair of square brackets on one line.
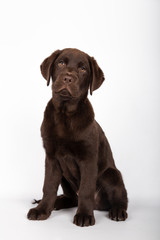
[(72, 72)]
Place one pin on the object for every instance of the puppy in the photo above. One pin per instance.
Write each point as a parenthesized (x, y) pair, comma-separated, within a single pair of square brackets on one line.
[(78, 155)]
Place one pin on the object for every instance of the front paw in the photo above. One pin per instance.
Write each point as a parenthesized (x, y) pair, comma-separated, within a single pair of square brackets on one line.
[(83, 220), (38, 214), (118, 214)]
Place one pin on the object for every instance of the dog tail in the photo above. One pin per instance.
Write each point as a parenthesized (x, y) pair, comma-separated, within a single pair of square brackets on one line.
[(36, 201)]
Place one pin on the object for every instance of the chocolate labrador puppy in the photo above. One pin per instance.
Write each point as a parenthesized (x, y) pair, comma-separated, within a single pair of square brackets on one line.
[(78, 155)]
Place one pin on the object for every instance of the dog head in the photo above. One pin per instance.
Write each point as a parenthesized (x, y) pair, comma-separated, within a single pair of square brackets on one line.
[(73, 72)]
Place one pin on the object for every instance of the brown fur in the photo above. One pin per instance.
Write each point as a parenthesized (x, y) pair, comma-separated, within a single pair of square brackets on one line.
[(78, 155)]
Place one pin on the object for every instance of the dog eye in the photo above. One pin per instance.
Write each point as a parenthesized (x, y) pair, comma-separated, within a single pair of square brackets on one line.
[(83, 69), (61, 63)]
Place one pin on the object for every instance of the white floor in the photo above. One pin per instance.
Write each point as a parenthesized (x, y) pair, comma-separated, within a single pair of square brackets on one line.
[(142, 224)]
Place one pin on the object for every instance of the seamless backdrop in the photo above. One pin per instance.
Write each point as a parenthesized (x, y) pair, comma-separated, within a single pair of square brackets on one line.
[(124, 38)]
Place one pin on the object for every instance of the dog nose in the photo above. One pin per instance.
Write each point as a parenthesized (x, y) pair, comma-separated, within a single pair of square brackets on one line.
[(68, 79)]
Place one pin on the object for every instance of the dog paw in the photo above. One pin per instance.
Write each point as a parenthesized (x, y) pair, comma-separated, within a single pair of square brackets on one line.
[(83, 220), (118, 214), (37, 214)]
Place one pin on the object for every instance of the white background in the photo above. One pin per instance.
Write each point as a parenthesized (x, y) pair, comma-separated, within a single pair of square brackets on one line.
[(124, 38)]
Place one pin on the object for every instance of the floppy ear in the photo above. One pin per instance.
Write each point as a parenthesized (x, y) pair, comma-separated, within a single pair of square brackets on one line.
[(97, 77), (47, 65)]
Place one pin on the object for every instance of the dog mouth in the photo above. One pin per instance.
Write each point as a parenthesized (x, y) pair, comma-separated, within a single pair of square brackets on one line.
[(64, 93)]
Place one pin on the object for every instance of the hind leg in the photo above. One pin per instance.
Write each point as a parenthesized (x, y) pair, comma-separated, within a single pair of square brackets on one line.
[(68, 199), (64, 202), (114, 193)]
